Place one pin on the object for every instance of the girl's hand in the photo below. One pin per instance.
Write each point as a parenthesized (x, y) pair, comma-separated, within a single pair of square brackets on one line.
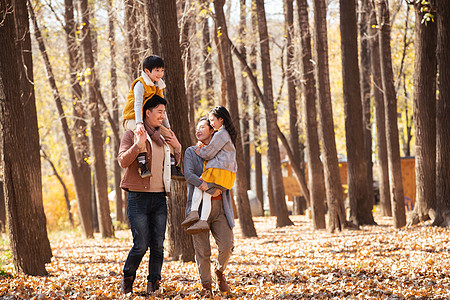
[(197, 150)]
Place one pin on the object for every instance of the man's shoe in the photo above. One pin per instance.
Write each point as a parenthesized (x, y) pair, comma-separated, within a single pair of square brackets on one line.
[(176, 173), (223, 285), (126, 285), (152, 287), (144, 171), (191, 219), (207, 290), (198, 227)]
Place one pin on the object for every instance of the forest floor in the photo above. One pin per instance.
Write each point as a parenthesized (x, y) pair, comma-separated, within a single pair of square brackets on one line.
[(295, 262)]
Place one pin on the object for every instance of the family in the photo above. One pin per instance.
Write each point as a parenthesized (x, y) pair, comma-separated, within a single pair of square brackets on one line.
[(150, 153)]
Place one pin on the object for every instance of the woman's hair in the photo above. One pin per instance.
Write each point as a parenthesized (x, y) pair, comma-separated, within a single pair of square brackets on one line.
[(207, 121), (222, 112)]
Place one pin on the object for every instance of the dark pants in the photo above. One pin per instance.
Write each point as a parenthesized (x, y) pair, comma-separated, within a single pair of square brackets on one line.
[(147, 213)]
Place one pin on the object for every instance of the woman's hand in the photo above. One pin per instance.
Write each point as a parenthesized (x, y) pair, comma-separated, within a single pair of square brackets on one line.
[(203, 186)]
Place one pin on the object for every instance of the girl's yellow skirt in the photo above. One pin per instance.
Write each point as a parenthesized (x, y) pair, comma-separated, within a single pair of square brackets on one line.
[(221, 177)]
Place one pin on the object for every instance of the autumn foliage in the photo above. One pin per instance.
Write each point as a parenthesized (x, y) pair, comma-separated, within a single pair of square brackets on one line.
[(295, 262)]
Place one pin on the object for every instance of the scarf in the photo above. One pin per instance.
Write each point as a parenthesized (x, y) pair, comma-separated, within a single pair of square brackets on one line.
[(155, 134)]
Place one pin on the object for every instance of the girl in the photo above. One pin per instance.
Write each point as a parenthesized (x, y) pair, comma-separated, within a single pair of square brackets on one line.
[(219, 169)]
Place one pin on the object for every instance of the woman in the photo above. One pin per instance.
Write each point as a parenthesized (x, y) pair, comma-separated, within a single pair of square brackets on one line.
[(220, 221)]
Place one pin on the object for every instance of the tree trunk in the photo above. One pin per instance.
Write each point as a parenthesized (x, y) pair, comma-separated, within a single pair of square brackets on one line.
[(425, 67), (243, 204), (315, 170), (133, 69), (33, 161), (2, 204), (383, 171), (443, 116), (358, 187), (151, 8), (336, 211), (256, 113), (23, 215), (179, 241), (207, 65), (390, 107), (271, 121), (115, 113), (245, 125), (365, 94), (96, 134)]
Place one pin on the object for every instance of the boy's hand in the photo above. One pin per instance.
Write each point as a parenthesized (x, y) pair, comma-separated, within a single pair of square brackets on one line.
[(217, 193), (140, 128)]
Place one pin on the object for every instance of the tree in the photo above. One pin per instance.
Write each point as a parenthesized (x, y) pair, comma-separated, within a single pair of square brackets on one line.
[(79, 150), (243, 205), (2, 206), (96, 132), (390, 107), (115, 112), (358, 187), (383, 171), (443, 115), (256, 112), (364, 53), (336, 212), (271, 120), (23, 215), (133, 39), (425, 67), (315, 173), (33, 160), (180, 242), (244, 94)]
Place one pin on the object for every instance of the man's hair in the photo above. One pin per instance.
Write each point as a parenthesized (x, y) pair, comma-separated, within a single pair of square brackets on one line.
[(151, 62), (153, 102)]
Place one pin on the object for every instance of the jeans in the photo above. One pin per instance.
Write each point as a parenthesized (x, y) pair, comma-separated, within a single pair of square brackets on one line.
[(147, 213)]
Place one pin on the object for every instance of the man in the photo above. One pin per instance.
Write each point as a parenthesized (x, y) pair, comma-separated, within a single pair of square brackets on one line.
[(221, 219), (146, 202)]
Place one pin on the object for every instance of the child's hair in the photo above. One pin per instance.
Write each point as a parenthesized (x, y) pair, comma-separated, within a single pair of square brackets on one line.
[(153, 102), (222, 112), (151, 62)]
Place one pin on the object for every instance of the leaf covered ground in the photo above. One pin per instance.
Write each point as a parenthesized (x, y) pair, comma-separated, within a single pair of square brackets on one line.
[(295, 262)]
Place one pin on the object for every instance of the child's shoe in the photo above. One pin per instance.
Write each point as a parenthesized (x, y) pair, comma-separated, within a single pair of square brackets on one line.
[(190, 219), (198, 227), (175, 170)]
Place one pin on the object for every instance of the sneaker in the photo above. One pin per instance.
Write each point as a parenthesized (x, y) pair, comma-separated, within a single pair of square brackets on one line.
[(190, 219), (144, 171), (176, 172), (198, 227)]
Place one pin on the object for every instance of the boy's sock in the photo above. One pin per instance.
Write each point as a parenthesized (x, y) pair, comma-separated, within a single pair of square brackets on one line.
[(174, 169), (143, 170)]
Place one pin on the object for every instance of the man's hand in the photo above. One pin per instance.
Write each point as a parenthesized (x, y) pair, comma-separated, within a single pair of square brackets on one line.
[(141, 137), (173, 141), (140, 128)]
